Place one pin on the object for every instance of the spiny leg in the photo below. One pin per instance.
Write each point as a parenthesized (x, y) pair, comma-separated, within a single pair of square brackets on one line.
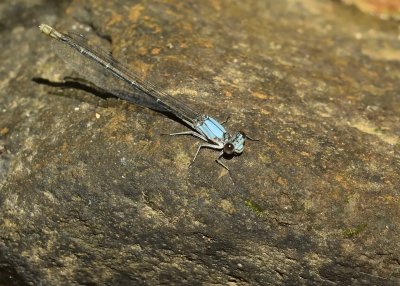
[(193, 133), (219, 161), (251, 139), (205, 145), (226, 120), (223, 165)]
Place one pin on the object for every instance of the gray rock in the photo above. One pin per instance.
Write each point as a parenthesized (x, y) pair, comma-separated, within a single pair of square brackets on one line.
[(92, 193)]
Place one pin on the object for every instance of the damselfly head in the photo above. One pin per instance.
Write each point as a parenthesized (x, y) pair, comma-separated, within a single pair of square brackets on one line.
[(236, 144)]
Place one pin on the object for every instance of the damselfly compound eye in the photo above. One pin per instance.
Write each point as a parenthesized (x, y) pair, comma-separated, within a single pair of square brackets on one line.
[(228, 148)]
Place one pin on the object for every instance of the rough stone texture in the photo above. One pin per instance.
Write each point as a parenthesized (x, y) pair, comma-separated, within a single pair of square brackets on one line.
[(91, 193), (385, 9)]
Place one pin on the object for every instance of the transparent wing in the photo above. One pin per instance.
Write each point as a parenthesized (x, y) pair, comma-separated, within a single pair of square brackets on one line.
[(96, 74), (104, 71)]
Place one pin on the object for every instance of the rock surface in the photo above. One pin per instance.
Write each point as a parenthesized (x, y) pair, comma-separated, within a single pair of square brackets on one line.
[(92, 193)]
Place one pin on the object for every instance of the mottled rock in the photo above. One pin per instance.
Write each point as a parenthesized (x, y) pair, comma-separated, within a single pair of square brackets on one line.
[(92, 193)]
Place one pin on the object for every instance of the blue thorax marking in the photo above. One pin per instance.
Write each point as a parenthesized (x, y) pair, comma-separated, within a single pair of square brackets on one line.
[(211, 129), (238, 142)]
